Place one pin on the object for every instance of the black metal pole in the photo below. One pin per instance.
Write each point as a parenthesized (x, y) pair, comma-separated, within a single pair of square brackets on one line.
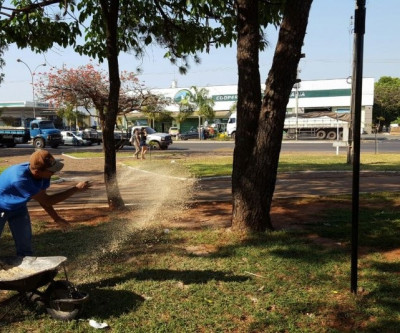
[(359, 30)]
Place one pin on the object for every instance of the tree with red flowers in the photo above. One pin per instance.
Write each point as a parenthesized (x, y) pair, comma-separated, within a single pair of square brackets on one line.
[(88, 86)]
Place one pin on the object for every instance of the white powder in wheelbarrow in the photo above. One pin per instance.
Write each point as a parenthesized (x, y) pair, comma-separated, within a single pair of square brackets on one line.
[(14, 273)]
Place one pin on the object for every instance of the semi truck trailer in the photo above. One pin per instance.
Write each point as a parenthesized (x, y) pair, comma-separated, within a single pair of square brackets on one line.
[(321, 125)]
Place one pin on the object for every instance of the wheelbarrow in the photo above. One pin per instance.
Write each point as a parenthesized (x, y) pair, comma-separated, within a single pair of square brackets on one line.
[(26, 275)]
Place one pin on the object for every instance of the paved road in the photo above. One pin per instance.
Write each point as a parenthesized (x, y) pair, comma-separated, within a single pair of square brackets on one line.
[(382, 144)]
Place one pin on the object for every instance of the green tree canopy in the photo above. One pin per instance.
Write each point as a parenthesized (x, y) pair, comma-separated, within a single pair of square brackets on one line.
[(184, 28), (387, 99), (198, 101), (203, 103)]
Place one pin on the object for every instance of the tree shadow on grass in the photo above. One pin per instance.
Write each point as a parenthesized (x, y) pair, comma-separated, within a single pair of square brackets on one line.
[(102, 303), (188, 276), (386, 293), (105, 303)]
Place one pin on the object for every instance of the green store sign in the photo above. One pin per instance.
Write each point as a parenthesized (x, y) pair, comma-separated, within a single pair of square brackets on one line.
[(322, 93), (225, 98), (302, 94), (12, 104)]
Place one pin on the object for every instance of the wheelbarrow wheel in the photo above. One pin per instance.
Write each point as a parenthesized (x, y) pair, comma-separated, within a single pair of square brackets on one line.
[(35, 299), (64, 301)]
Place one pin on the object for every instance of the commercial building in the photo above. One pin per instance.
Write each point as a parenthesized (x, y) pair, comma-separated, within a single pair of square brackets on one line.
[(307, 96), (332, 95), (15, 113), (18, 113)]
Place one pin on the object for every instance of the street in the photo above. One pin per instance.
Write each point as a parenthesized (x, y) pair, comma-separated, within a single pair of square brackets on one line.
[(369, 144)]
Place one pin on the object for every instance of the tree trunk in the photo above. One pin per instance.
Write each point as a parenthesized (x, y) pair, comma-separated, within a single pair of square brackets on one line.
[(260, 124), (110, 12)]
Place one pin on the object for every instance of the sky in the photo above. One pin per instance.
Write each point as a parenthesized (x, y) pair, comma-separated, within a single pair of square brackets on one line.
[(328, 47)]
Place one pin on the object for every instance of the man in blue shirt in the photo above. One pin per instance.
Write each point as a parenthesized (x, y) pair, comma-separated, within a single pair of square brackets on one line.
[(21, 182)]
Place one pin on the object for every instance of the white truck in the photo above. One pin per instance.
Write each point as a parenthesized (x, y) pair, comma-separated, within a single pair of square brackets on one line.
[(155, 140), (321, 125), (231, 125)]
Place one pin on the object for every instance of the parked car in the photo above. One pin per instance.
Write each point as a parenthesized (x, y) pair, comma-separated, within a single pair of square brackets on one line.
[(90, 135), (193, 133), (72, 138), (174, 131), (155, 139)]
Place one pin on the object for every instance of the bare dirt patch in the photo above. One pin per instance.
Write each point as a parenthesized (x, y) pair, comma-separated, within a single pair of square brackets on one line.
[(86, 216), (286, 214), (393, 255)]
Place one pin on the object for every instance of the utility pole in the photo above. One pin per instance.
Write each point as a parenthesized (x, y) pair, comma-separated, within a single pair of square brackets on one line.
[(356, 94), (349, 80), (33, 86), (297, 86)]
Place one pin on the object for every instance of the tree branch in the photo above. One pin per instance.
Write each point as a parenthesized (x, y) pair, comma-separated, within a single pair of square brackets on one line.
[(30, 8)]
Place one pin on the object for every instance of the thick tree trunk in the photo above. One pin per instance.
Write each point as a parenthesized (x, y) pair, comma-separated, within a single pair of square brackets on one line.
[(260, 125), (110, 12), (110, 171), (248, 110)]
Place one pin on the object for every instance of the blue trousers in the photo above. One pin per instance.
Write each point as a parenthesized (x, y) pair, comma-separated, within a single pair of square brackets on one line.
[(21, 229)]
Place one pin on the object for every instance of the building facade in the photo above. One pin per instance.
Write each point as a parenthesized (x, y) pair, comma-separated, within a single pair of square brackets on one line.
[(307, 96), (18, 112), (332, 95)]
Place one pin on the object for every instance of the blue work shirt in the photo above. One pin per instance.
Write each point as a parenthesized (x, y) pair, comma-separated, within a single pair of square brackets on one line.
[(17, 186)]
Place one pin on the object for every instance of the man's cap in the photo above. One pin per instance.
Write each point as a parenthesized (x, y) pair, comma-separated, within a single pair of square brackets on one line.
[(43, 160)]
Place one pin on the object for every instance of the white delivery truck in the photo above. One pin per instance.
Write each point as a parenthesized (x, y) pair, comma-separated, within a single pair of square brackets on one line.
[(321, 125), (231, 125)]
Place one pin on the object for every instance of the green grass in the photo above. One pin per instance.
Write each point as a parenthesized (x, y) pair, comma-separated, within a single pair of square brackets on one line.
[(214, 165), (87, 154), (146, 280), (329, 162)]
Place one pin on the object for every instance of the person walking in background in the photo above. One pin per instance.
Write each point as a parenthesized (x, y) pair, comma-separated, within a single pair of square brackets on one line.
[(135, 141), (143, 143), (21, 182)]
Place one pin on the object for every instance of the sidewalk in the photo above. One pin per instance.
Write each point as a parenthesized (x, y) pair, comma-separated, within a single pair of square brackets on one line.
[(146, 189), (137, 188), (288, 185)]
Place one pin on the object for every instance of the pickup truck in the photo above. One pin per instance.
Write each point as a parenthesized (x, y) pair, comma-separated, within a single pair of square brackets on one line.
[(91, 135), (155, 139), (41, 132)]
